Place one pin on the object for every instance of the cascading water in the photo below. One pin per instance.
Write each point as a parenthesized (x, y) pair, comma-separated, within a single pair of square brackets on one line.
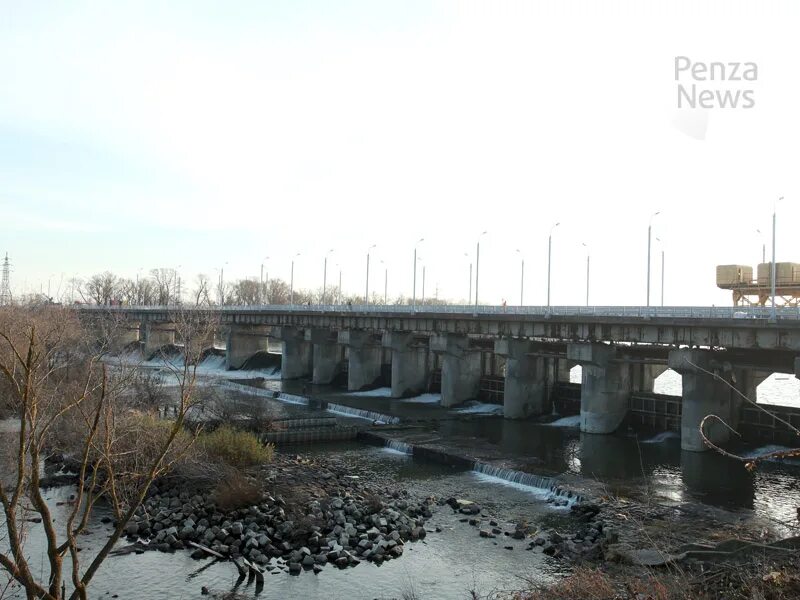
[(363, 414), (401, 447), (546, 486)]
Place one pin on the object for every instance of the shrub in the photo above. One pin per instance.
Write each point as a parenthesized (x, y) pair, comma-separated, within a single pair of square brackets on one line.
[(235, 447)]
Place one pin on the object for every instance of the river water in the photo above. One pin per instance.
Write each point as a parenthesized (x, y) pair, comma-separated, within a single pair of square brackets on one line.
[(450, 563)]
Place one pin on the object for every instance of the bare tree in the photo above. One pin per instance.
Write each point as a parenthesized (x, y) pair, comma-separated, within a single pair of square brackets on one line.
[(166, 283), (57, 386), (100, 288), (201, 291)]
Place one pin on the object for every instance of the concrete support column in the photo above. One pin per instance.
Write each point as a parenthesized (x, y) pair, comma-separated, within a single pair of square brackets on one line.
[(327, 355), (605, 387), (156, 336), (562, 369), (461, 368), (124, 335), (410, 369), (364, 359), (297, 355), (526, 393), (643, 376), (244, 341), (704, 394)]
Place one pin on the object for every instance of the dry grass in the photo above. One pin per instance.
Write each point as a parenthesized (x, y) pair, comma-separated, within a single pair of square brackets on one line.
[(236, 491)]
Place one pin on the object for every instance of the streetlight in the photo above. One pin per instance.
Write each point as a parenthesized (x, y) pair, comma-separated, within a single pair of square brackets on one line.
[(423, 281), (291, 284), (763, 247), (264, 281), (478, 266), (414, 293), (176, 281), (658, 239), (521, 278), (649, 232), (587, 271), (366, 292), (385, 283), (469, 298), (325, 275), (773, 314), (339, 291), (221, 284), (549, 256)]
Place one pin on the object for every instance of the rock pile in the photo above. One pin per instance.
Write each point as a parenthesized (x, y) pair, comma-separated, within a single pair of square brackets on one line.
[(341, 529)]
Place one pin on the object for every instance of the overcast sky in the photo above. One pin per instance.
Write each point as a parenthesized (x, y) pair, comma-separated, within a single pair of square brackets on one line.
[(147, 134)]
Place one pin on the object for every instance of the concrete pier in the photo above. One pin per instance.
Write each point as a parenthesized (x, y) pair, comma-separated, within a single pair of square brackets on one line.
[(605, 387), (244, 341), (704, 393), (327, 355), (158, 335), (410, 369), (643, 376), (461, 368), (364, 358), (526, 386), (297, 355)]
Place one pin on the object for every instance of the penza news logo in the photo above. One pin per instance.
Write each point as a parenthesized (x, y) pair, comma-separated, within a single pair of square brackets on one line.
[(715, 84)]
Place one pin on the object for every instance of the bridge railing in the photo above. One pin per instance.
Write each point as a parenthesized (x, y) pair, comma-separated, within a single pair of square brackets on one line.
[(643, 312)]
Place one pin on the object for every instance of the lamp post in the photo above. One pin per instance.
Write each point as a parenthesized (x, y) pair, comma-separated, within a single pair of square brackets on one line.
[(773, 270), (549, 257), (423, 283), (587, 271), (658, 239), (469, 297), (221, 284), (763, 246), (339, 291), (649, 234), (414, 292), (366, 292), (264, 281), (291, 284), (385, 283), (478, 266), (176, 281), (521, 278), (325, 274)]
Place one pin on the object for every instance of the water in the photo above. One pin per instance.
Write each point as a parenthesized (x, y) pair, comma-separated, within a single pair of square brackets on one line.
[(515, 461), (445, 565)]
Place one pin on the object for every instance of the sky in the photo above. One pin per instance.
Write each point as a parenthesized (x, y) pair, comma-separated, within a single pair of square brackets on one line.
[(205, 135)]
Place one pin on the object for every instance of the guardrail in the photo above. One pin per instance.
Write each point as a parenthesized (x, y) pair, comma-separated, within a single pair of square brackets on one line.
[(644, 312)]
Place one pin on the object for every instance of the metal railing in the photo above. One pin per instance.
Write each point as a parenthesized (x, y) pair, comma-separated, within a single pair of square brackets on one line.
[(639, 312)]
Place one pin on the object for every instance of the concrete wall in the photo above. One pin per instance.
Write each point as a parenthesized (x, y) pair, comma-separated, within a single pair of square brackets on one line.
[(244, 341)]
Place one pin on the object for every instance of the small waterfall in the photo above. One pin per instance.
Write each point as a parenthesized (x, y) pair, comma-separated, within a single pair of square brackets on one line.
[(363, 414), (292, 399), (400, 447), (546, 486)]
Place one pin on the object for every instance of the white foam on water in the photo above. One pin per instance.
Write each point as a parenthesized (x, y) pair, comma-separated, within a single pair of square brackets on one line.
[(571, 421), (388, 450), (384, 392), (480, 408), (359, 413), (769, 449), (424, 399), (542, 487), (662, 437), (398, 446)]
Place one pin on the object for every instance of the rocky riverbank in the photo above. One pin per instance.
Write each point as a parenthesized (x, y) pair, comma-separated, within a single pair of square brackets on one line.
[(309, 514)]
